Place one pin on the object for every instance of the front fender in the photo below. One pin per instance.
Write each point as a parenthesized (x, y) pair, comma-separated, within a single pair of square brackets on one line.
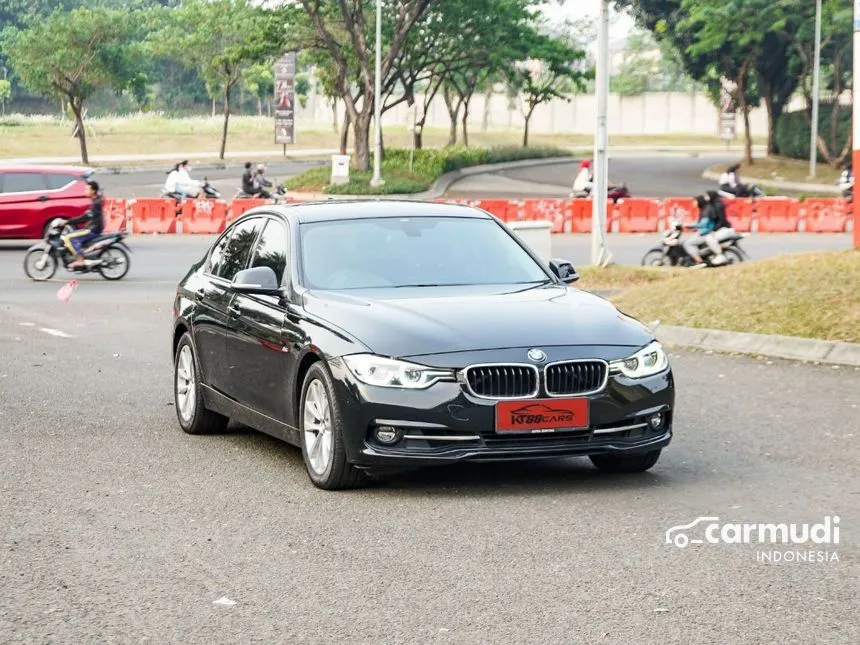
[(40, 246)]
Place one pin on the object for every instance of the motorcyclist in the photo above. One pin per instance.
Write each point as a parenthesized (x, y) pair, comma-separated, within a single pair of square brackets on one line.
[(846, 181), (262, 182), (92, 224), (709, 216), (584, 179), (249, 187), (179, 182)]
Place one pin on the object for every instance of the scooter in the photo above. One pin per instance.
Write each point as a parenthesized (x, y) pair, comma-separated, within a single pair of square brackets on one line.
[(671, 251), (209, 192), (751, 191), (614, 193), (846, 185), (277, 198), (106, 254)]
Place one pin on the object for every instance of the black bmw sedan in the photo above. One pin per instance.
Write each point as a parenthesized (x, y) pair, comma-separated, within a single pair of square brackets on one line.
[(390, 334)]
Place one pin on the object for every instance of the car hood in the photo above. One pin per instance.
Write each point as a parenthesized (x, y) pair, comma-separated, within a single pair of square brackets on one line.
[(438, 320)]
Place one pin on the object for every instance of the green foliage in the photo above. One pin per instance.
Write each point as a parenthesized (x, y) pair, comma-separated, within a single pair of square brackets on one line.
[(793, 130), (5, 90)]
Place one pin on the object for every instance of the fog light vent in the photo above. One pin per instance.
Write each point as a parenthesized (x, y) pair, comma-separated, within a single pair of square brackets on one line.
[(656, 421), (387, 435)]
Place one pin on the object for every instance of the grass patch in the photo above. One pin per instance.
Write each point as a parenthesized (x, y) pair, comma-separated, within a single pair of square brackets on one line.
[(622, 276), (810, 295), (151, 133), (785, 169), (427, 166)]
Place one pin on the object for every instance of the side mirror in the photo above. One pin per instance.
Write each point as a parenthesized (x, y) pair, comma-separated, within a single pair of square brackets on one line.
[(260, 280), (564, 270)]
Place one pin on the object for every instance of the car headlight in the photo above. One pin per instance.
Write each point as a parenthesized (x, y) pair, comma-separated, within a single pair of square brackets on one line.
[(387, 372), (646, 362)]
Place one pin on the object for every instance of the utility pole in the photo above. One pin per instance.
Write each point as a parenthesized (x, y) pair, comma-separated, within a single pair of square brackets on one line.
[(816, 83), (599, 253), (377, 157)]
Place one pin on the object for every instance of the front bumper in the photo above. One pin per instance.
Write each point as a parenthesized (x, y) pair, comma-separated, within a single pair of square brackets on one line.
[(444, 424)]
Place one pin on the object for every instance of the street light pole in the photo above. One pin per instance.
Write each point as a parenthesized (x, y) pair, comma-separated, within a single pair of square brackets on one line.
[(377, 107), (816, 81), (599, 192)]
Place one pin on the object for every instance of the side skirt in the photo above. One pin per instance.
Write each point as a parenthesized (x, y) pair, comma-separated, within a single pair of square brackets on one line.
[(217, 402)]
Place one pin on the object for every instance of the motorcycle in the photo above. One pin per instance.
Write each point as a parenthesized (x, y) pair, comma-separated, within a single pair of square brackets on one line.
[(614, 193), (846, 185), (751, 191), (277, 198), (671, 251), (209, 192), (106, 254)]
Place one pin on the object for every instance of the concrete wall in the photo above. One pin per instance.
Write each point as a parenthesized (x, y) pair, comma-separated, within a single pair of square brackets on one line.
[(652, 113)]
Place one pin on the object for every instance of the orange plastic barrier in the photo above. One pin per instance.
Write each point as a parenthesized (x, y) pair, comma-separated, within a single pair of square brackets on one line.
[(638, 215), (777, 214), (114, 215), (825, 215), (153, 216), (239, 207), (501, 208), (580, 215), (553, 210), (204, 216), (684, 209), (740, 213)]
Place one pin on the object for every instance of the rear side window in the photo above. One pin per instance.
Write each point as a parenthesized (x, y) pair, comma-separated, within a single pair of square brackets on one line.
[(23, 182), (238, 250), (56, 182)]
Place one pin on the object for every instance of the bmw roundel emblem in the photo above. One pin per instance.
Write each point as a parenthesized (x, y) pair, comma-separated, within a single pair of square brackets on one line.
[(537, 355)]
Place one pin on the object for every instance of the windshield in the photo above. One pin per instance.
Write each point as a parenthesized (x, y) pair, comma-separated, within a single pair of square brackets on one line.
[(403, 252)]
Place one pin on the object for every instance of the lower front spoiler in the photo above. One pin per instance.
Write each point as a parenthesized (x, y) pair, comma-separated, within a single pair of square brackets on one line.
[(374, 456)]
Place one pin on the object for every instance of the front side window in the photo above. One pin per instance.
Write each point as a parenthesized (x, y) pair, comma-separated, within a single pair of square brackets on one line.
[(271, 250), (393, 252), (238, 249)]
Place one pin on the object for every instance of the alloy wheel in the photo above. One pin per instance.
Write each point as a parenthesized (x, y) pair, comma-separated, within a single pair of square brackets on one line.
[(317, 427)]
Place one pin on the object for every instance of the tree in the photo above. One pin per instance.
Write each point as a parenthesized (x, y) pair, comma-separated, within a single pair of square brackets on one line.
[(259, 79), (221, 38), (346, 27), (5, 93), (549, 73), (70, 55)]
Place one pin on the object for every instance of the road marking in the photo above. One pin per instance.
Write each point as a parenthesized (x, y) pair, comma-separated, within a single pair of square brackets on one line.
[(55, 332)]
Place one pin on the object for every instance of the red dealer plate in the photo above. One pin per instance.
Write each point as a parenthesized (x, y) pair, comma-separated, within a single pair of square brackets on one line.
[(542, 415)]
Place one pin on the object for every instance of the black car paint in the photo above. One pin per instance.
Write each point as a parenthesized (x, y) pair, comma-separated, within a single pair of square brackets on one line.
[(254, 349)]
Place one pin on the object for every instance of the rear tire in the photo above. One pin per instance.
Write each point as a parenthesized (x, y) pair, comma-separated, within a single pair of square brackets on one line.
[(118, 271), (733, 256), (193, 416), (625, 463), (321, 427)]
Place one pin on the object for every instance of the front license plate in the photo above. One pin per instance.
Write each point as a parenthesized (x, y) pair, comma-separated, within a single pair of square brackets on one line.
[(543, 415)]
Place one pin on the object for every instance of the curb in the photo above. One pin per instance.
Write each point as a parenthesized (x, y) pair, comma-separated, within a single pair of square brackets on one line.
[(130, 170), (787, 347), (787, 185)]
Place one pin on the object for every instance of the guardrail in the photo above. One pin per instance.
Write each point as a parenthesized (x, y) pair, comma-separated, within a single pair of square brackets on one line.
[(635, 215)]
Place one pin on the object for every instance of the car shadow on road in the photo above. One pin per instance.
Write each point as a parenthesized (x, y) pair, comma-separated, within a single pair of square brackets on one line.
[(540, 476)]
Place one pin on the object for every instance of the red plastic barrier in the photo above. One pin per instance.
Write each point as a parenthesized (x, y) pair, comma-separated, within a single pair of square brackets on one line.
[(740, 213), (825, 215), (638, 215), (153, 216), (777, 214), (204, 216), (553, 210), (115, 215), (239, 207), (684, 209), (580, 216)]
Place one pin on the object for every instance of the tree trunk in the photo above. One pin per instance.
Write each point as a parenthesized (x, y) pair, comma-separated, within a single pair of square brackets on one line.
[(226, 121), (453, 111), (259, 105), (213, 107), (528, 118), (418, 137), (334, 115), (465, 124), (77, 108), (488, 98), (344, 133), (771, 123), (745, 110), (361, 130)]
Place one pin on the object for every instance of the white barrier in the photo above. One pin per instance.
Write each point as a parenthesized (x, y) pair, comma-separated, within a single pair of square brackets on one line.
[(537, 235)]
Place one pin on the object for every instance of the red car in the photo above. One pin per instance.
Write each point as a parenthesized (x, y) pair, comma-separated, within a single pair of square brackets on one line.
[(31, 196)]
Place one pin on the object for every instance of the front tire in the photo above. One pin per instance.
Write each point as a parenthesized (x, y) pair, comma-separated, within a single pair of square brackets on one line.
[(321, 425), (34, 267), (625, 463), (193, 416), (655, 258)]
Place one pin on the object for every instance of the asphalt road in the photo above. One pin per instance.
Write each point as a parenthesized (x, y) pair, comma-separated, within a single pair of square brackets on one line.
[(148, 183), (659, 176), (117, 527)]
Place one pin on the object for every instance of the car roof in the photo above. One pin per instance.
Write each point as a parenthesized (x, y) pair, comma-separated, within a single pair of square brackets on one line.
[(366, 208), (46, 169)]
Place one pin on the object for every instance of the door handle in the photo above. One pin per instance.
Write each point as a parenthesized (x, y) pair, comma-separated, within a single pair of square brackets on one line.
[(233, 310), (43, 198)]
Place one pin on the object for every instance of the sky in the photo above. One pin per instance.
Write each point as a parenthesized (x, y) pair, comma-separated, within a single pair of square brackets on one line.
[(619, 24)]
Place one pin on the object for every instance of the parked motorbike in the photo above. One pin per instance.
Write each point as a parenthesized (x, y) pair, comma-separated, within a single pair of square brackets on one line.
[(106, 254), (671, 251)]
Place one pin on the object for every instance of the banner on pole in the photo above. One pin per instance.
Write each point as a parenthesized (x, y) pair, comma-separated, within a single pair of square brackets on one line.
[(285, 99), (728, 109)]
